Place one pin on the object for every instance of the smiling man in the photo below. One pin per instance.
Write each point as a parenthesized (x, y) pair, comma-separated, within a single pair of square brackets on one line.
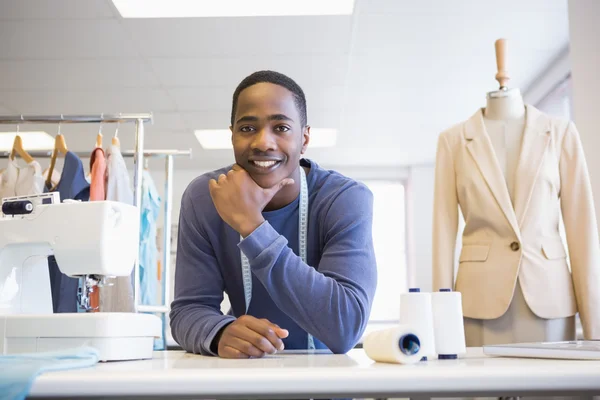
[(288, 241)]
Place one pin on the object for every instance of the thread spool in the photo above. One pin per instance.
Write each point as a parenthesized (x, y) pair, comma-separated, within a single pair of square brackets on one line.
[(448, 324), (400, 344), (416, 310), (20, 207)]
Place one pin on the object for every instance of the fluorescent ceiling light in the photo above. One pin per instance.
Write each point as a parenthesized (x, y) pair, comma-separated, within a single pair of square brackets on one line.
[(219, 139), (230, 8), (31, 140)]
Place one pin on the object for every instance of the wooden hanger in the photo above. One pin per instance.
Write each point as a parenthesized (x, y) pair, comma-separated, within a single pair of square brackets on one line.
[(60, 146), (18, 149), (99, 140), (115, 139)]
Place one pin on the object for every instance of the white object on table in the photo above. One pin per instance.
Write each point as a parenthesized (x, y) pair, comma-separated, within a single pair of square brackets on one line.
[(400, 344), (570, 350), (416, 310)]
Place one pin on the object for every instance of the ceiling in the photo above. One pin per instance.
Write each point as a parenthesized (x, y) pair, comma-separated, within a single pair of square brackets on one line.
[(390, 77)]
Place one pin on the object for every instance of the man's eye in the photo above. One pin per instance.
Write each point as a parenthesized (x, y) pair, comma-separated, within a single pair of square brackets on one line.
[(246, 129), (282, 128)]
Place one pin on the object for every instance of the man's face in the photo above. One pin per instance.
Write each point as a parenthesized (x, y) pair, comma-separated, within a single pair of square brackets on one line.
[(267, 134)]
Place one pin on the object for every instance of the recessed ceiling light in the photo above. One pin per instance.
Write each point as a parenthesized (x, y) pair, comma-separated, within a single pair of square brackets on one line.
[(31, 140), (220, 139), (230, 8)]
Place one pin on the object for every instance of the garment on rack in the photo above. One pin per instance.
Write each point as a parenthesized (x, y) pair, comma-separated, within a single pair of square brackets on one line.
[(119, 296), (98, 172), (21, 181), (118, 184), (18, 371), (148, 251), (97, 193), (72, 185)]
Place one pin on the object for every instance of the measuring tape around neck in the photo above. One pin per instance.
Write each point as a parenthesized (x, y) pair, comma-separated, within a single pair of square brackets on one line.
[(302, 239)]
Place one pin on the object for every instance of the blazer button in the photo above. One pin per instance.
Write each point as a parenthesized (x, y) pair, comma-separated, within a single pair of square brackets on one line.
[(515, 246)]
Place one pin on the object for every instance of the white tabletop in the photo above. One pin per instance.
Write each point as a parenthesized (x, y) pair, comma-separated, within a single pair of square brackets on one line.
[(293, 375)]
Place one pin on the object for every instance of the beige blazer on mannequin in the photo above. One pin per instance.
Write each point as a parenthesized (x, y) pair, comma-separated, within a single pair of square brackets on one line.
[(501, 243)]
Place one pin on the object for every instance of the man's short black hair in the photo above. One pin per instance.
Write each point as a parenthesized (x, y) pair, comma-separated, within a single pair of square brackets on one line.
[(277, 79)]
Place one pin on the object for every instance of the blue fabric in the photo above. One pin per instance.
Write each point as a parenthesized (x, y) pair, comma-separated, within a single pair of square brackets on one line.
[(148, 249), (18, 371), (329, 297), (72, 185)]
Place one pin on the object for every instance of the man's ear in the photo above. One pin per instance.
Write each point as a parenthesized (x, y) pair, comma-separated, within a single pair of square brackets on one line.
[(305, 138), (231, 129)]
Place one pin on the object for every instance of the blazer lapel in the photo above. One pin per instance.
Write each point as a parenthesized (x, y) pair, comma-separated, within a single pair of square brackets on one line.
[(480, 148), (533, 148)]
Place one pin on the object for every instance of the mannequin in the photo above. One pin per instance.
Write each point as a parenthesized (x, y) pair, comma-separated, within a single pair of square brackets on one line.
[(504, 120), (514, 171)]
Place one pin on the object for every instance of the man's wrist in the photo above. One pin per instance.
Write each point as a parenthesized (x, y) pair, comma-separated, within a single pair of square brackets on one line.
[(250, 226), (214, 346)]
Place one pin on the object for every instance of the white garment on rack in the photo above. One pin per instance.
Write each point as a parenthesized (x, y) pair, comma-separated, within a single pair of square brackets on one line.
[(21, 181), (118, 185), (119, 296)]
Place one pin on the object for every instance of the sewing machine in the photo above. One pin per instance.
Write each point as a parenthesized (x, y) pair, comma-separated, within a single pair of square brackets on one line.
[(91, 241)]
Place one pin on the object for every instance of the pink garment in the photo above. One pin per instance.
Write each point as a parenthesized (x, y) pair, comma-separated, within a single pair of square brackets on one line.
[(98, 167)]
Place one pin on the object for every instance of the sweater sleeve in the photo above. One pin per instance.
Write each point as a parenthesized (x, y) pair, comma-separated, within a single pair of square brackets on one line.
[(196, 315), (332, 303)]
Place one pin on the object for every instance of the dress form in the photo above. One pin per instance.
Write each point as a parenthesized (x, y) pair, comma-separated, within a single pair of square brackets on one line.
[(504, 118), (504, 121)]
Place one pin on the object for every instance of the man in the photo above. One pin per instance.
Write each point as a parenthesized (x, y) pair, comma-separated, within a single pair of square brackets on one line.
[(239, 232)]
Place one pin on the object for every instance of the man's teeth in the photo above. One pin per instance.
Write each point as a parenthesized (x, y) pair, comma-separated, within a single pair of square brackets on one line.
[(265, 164)]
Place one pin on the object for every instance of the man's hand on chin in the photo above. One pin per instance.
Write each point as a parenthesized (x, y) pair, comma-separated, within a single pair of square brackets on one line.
[(240, 201)]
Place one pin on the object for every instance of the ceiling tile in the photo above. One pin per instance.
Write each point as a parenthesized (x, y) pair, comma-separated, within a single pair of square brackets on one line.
[(168, 122), (219, 98), (53, 9), (217, 119), (228, 72), (89, 102), (64, 39), (75, 74), (214, 37), (464, 36), (202, 98), (476, 7)]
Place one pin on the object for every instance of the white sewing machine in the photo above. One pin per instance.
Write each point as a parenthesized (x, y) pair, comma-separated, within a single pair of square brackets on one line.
[(91, 241)]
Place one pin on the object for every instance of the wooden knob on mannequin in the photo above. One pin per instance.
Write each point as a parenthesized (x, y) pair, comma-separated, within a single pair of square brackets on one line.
[(502, 75)]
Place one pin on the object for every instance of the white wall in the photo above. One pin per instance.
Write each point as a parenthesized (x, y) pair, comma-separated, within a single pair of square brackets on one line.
[(585, 63), (420, 210)]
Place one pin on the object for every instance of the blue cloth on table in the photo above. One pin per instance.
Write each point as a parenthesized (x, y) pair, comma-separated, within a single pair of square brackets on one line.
[(18, 371)]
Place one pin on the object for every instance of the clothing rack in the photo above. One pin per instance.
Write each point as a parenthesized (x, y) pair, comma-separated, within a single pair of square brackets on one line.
[(138, 154)]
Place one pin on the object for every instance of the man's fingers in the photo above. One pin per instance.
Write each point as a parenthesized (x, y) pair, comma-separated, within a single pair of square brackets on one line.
[(244, 346), (236, 167), (222, 177), (268, 331), (282, 333), (272, 191), (262, 341), (231, 352)]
